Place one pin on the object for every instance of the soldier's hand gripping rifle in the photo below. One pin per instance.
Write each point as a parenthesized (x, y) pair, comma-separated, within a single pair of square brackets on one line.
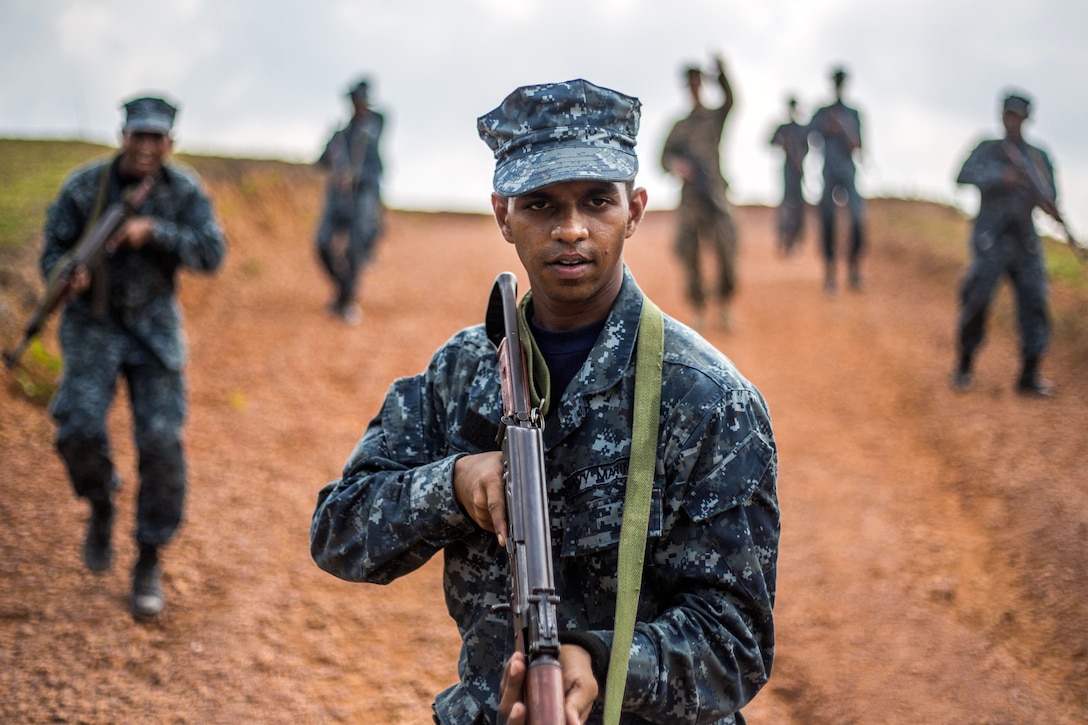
[(528, 543), (85, 254), (1044, 190)]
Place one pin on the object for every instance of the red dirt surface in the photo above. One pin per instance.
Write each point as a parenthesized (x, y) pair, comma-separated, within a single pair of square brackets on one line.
[(932, 565)]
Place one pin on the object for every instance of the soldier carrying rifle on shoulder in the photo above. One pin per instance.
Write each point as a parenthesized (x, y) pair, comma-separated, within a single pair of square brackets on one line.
[(1013, 178)]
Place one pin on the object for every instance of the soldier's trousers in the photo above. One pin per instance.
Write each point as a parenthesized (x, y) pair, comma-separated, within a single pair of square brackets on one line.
[(1021, 260), (345, 246), (697, 222), (791, 212), (844, 186), (96, 355)]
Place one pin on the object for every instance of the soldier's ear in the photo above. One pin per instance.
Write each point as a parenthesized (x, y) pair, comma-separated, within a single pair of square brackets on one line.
[(636, 209), (500, 205)]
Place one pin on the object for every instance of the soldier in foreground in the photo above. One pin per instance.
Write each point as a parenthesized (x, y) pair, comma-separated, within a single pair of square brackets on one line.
[(352, 220), (692, 154), (838, 128), (427, 476), (123, 321), (1013, 177)]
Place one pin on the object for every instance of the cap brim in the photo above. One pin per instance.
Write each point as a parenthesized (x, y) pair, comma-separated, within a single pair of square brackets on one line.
[(552, 166), (148, 126)]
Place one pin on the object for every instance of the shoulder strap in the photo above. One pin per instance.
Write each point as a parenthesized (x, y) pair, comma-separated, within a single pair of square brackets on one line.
[(636, 502)]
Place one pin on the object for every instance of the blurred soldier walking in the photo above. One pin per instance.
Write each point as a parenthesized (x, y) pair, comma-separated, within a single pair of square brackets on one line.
[(1013, 177), (691, 154), (123, 320), (352, 220), (838, 128), (792, 138)]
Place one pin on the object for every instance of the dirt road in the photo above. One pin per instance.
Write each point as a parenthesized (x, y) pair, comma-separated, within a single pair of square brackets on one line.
[(932, 566)]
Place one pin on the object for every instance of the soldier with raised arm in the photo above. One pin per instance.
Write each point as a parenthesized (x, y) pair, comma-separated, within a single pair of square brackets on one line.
[(692, 154)]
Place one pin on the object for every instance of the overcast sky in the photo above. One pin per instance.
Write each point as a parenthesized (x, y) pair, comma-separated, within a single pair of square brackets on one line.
[(267, 78)]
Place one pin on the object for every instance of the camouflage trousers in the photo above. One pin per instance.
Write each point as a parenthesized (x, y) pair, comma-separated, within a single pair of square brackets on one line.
[(699, 223), (96, 355), (842, 187), (1022, 262), (346, 238)]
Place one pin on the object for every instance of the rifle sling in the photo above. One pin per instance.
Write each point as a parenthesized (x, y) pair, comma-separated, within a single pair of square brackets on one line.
[(100, 281), (636, 503)]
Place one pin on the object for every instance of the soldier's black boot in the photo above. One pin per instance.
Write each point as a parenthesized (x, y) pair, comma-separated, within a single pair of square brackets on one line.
[(148, 600), (97, 548), (1031, 383), (962, 379)]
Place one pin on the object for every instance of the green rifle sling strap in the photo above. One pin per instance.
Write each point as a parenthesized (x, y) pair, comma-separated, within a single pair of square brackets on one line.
[(636, 502)]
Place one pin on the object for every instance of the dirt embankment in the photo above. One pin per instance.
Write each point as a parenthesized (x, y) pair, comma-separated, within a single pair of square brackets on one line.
[(933, 561)]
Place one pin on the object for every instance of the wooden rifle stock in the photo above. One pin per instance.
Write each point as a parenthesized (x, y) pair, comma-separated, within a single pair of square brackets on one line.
[(533, 600), (87, 252)]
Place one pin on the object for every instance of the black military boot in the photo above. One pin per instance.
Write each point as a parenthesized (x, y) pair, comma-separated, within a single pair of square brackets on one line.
[(97, 550), (148, 600), (962, 379), (1031, 383)]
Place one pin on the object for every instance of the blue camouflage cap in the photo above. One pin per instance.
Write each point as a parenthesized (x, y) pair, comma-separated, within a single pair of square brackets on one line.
[(1017, 102), (545, 134), (149, 114)]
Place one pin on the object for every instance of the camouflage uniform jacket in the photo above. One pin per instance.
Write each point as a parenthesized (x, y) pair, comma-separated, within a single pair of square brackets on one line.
[(354, 150), (697, 139), (704, 641), (839, 127), (1004, 215), (141, 281)]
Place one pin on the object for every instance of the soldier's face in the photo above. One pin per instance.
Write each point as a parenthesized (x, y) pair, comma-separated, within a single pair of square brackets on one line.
[(1013, 123), (143, 154), (570, 237)]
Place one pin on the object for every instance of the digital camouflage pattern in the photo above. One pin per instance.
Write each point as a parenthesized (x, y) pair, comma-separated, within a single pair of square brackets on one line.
[(703, 213), (545, 134), (353, 206), (704, 641), (140, 336), (141, 282), (1004, 241)]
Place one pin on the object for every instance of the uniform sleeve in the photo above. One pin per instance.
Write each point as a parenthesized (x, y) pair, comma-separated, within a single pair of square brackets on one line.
[(710, 651), (394, 506), (194, 235), (983, 168), (64, 224), (671, 149)]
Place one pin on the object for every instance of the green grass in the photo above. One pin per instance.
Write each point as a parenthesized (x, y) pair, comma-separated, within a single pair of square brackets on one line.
[(31, 173)]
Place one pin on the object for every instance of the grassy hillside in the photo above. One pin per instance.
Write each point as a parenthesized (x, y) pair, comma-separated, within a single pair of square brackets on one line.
[(30, 174)]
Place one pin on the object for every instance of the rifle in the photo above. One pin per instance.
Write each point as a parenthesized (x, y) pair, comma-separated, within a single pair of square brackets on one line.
[(528, 544), (1046, 193), (85, 254), (701, 179)]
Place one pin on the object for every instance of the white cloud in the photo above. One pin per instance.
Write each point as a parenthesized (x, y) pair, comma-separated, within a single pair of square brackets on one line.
[(268, 77)]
